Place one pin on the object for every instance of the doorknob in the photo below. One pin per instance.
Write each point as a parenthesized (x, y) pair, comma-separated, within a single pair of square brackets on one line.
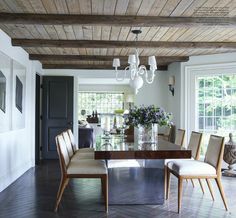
[(70, 123)]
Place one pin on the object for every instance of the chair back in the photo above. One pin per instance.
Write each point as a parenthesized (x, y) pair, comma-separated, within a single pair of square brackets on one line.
[(68, 143), (72, 140), (214, 153), (195, 144), (63, 153), (172, 133), (179, 138)]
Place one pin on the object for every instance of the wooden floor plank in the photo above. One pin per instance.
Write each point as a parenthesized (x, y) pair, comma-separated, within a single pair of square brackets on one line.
[(34, 195)]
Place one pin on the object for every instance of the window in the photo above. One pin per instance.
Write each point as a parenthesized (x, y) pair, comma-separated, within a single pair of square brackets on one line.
[(102, 102), (215, 105)]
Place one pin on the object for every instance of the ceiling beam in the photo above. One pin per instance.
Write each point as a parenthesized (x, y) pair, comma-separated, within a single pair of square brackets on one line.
[(87, 66), (160, 59), (119, 44), (117, 20)]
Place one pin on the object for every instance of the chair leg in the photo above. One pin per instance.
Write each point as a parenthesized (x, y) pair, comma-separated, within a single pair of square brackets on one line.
[(102, 187), (180, 187), (105, 186), (219, 184), (62, 187), (167, 183), (165, 179), (59, 190), (192, 182), (200, 182), (210, 188)]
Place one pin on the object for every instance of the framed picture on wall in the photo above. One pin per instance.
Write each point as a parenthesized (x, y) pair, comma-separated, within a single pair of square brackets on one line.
[(5, 93), (2, 92), (19, 94)]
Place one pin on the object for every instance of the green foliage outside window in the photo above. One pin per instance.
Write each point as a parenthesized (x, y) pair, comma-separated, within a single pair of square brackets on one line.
[(216, 105), (102, 102)]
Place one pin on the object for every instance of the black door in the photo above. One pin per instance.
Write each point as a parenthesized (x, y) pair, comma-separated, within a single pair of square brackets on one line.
[(57, 111)]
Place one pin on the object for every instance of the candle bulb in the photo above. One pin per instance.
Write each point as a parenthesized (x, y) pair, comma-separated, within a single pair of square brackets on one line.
[(171, 80), (107, 124)]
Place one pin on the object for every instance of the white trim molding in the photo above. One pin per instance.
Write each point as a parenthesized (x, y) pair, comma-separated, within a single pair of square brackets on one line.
[(188, 75)]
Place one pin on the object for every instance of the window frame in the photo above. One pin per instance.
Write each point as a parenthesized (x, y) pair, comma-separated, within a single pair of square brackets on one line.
[(188, 116), (101, 92)]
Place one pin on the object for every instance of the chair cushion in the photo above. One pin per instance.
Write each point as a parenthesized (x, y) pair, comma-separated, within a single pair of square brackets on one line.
[(81, 150), (169, 160), (83, 155), (87, 167), (191, 168)]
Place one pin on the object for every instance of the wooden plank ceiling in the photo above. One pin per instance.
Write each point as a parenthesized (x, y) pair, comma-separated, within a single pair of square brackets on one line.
[(172, 30)]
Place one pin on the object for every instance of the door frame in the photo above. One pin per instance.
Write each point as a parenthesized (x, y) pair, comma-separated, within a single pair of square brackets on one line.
[(37, 118)]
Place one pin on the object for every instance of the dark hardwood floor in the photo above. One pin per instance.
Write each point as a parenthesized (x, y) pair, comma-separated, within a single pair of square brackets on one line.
[(34, 193)]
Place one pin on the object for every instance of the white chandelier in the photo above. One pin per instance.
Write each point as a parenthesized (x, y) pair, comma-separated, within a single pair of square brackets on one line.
[(136, 70)]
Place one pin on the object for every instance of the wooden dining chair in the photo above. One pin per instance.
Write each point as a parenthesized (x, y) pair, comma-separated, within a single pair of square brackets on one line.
[(179, 137), (195, 169), (74, 145), (168, 134), (79, 169), (194, 145), (75, 155)]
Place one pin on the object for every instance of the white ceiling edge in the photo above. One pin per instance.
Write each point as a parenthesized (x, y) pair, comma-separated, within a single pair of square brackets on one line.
[(102, 81)]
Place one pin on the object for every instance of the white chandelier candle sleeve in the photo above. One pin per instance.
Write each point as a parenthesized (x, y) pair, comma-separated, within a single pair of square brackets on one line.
[(152, 62), (171, 80), (107, 124), (132, 59), (116, 62)]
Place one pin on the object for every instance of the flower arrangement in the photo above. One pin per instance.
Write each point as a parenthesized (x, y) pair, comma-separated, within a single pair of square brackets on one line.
[(147, 115)]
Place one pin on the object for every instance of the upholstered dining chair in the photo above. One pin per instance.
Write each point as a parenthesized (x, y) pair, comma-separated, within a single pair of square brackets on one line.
[(194, 145), (78, 154), (74, 146), (179, 137), (168, 133), (195, 169), (79, 169)]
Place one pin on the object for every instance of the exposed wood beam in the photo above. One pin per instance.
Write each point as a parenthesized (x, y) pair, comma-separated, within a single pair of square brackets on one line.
[(85, 66), (119, 44), (144, 59), (103, 20)]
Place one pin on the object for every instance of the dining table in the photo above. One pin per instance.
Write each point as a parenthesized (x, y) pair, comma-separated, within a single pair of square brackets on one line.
[(136, 172)]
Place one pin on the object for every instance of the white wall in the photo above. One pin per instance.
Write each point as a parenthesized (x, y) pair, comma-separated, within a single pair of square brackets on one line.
[(105, 87), (155, 93), (173, 102), (17, 147)]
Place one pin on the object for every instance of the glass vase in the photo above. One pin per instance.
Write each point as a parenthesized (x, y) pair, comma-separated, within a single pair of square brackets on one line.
[(148, 134)]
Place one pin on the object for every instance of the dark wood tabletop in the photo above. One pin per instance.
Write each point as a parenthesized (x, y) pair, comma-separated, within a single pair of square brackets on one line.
[(116, 148)]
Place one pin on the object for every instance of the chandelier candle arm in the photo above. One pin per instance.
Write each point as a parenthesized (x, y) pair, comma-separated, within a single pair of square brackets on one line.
[(150, 81)]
